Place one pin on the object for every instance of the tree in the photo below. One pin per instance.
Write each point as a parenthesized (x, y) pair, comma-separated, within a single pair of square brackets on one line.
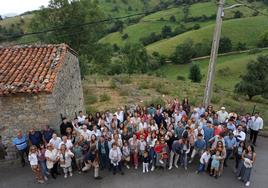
[(225, 45), (166, 31), (68, 15), (172, 18), (255, 81), (125, 36), (238, 14), (241, 46), (263, 40), (195, 73), (184, 53)]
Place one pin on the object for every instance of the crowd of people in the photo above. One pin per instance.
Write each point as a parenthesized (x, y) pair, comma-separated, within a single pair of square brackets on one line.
[(150, 137)]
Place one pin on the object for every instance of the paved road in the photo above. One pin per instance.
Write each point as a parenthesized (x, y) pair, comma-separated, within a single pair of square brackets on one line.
[(18, 177)]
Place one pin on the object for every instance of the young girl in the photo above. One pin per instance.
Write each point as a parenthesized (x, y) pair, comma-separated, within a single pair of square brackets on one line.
[(215, 164), (77, 150), (126, 153), (145, 162), (51, 161), (42, 161), (65, 158), (238, 154), (34, 164)]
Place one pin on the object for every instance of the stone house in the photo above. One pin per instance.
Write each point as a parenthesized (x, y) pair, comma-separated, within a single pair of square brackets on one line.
[(38, 85)]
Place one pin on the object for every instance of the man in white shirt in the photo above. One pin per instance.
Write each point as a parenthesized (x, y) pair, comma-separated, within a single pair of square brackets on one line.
[(55, 141), (255, 125), (239, 134), (67, 142), (120, 114), (81, 118), (142, 125), (222, 115), (83, 131)]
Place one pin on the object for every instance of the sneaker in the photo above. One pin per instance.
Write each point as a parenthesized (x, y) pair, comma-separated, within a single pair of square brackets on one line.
[(216, 177), (45, 178), (71, 174), (79, 172), (136, 167), (176, 166), (170, 168), (122, 173), (86, 168), (65, 175), (247, 184), (41, 181), (98, 178), (161, 161), (127, 166), (143, 171), (190, 162), (197, 172), (239, 178), (152, 169), (185, 168)]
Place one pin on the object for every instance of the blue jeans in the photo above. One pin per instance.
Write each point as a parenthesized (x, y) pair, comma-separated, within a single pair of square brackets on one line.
[(44, 169), (152, 156), (201, 167)]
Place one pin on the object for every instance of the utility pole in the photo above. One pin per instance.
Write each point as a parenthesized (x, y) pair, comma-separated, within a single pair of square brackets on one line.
[(213, 55)]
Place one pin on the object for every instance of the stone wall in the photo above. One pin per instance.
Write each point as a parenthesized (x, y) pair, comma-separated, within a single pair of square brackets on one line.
[(23, 111), (68, 92)]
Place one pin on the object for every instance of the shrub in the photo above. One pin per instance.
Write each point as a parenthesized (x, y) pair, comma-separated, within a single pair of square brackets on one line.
[(179, 77), (123, 92), (161, 88), (254, 51), (195, 73), (215, 99), (224, 71), (144, 85), (91, 99), (155, 101), (125, 36), (225, 45), (104, 97), (113, 84)]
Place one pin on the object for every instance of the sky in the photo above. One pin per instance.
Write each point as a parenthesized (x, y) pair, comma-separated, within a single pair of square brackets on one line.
[(20, 6)]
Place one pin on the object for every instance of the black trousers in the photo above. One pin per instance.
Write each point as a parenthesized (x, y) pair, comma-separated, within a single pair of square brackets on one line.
[(253, 136), (21, 155)]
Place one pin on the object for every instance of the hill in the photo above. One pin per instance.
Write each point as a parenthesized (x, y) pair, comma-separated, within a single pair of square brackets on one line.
[(238, 30)]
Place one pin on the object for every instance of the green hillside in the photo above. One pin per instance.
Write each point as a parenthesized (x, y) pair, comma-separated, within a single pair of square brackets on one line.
[(238, 30), (154, 23)]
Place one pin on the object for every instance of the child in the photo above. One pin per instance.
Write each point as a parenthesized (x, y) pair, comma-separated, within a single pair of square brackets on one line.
[(142, 145), (184, 153), (65, 158), (34, 164), (42, 161), (215, 164), (145, 162), (126, 154), (77, 150), (115, 156), (204, 161)]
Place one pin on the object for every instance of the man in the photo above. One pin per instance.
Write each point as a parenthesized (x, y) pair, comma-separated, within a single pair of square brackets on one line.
[(83, 131), (175, 151), (230, 144), (255, 125), (120, 115), (103, 150), (21, 145), (199, 146), (92, 160), (81, 118), (35, 137), (158, 117), (222, 115), (55, 141), (239, 134), (178, 129), (67, 142), (47, 134), (64, 125), (142, 125)]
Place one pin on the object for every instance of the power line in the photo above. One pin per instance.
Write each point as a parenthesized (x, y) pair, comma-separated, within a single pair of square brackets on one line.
[(81, 25)]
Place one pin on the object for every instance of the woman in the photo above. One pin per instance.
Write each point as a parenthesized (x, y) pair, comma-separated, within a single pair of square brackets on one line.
[(248, 158), (238, 153), (33, 158), (51, 160), (65, 158), (134, 150), (186, 106)]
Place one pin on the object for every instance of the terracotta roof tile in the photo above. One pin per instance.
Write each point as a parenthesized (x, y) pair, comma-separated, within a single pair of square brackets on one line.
[(30, 69)]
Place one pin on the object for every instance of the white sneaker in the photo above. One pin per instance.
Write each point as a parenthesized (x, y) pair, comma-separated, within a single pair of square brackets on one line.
[(152, 169), (161, 161), (45, 178), (185, 168), (136, 167), (247, 184), (85, 168), (170, 168), (239, 178), (190, 161), (65, 175), (128, 167), (71, 174), (143, 171), (176, 166)]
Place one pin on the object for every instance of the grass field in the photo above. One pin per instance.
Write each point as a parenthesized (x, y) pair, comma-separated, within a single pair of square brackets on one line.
[(238, 30)]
